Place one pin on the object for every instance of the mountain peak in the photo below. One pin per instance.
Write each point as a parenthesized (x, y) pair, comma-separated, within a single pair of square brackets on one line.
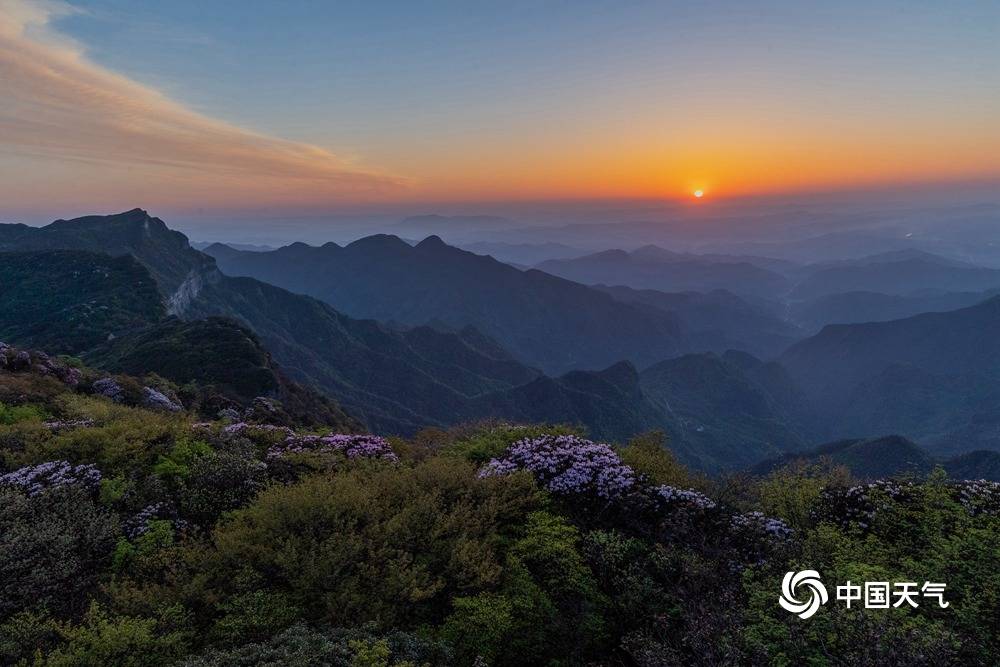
[(379, 241), (433, 241)]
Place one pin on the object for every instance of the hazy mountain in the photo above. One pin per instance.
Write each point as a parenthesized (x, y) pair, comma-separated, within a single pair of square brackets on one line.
[(853, 307), (655, 268), (718, 412), (931, 377), (867, 458), (544, 321), (249, 247), (896, 274), (979, 464), (453, 227), (957, 342), (523, 254), (925, 377), (717, 321), (610, 402), (889, 456)]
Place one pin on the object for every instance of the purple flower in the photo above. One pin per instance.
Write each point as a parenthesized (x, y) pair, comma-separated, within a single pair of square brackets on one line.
[(757, 522), (672, 495), (351, 446), (240, 428), (978, 496), (52, 474), (138, 525), (566, 464)]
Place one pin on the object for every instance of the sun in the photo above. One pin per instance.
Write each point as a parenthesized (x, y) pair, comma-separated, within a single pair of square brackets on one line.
[(698, 194)]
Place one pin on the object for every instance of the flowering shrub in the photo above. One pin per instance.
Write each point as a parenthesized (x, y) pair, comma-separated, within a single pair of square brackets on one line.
[(858, 505), (566, 464), (673, 495), (979, 496), (351, 446), (757, 522), (142, 521), (52, 474)]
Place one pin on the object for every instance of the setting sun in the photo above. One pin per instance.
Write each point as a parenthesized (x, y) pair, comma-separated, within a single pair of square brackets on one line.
[(699, 193)]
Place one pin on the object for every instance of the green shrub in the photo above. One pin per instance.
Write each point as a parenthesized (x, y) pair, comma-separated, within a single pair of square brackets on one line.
[(378, 542), (13, 414), (54, 548)]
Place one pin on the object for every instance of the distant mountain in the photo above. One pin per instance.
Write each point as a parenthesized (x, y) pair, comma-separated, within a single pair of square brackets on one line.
[(868, 458), (609, 402), (544, 321), (974, 465), (925, 377), (655, 252), (523, 254), (452, 226), (895, 273), (718, 412), (651, 267), (888, 457), (249, 247), (855, 307), (931, 378), (717, 321), (397, 380), (957, 342)]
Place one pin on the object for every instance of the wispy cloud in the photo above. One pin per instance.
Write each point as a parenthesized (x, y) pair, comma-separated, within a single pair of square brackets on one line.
[(57, 104)]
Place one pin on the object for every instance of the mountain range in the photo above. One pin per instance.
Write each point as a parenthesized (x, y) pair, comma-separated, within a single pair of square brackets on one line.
[(889, 456), (130, 294), (544, 321), (652, 267)]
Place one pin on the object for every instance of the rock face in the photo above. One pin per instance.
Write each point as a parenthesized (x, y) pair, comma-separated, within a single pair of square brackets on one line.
[(157, 400), (109, 388), (23, 361)]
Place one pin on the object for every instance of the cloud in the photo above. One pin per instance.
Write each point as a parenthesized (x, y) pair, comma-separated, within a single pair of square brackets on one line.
[(56, 104)]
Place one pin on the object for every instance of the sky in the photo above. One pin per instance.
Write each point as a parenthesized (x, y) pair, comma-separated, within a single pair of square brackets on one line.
[(229, 108)]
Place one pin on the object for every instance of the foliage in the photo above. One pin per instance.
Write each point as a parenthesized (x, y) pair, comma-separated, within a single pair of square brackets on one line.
[(54, 547), (12, 414), (68, 301), (138, 537)]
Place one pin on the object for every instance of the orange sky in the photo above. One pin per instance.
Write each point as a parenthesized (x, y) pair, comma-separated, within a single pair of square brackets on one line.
[(79, 136)]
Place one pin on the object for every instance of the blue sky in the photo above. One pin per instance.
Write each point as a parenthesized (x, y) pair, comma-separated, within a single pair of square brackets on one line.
[(491, 101)]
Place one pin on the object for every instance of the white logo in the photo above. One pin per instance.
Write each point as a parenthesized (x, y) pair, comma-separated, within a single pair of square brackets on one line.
[(817, 593)]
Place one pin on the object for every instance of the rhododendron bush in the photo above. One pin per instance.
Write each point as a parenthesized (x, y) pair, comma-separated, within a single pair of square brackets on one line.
[(132, 529)]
